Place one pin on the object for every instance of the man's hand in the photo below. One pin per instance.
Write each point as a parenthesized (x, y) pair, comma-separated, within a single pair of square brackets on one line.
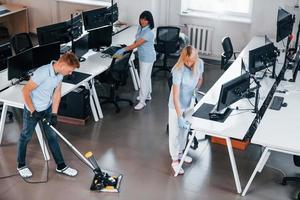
[(52, 119), (37, 115)]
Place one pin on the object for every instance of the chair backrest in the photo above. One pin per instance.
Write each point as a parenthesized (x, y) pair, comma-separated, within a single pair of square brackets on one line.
[(5, 52), (297, 160), (21, 42), (227, 47), (225, 62), (119, 68), (167, 39)]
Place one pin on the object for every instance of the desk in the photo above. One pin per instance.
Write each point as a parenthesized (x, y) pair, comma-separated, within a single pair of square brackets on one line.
[(3, 80), (16, 20), (238, 123), (279, 130)]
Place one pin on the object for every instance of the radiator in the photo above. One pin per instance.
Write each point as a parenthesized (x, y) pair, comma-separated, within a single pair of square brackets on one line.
[(201, 38)]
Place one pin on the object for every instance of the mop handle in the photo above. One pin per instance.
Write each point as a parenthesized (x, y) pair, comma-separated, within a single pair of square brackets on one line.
[(186, 150), (70, 145)]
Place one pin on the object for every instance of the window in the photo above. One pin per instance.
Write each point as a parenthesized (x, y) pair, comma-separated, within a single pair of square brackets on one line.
[(218, 8)]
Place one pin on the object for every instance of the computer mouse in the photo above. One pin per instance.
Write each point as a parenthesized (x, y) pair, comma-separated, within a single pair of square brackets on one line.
[(284, 104), (123, 45), (213, 116)]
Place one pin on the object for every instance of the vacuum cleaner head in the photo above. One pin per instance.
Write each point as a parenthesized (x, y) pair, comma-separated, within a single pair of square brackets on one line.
[(102, 181), (106, 183)]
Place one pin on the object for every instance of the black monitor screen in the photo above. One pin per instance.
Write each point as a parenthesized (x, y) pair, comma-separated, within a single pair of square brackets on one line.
[(53, 33), (233, 91), (260, 56), (81, 46), (100, 37), (75, 25), (20, 64), (94, 18), (285, 24), (112, 14), (42, 55), (5, 52)]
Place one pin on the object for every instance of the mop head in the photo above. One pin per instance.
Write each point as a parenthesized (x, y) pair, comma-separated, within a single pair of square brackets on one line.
[(102, 181), (106, 183)]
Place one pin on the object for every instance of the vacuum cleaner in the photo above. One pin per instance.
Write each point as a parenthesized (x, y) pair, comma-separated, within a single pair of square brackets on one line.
[(102, 181)]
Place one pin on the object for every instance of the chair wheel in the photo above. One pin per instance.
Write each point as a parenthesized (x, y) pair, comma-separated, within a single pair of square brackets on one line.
[(130, 103), (167, 129), (283, 182), (298, 196), (118, 110)]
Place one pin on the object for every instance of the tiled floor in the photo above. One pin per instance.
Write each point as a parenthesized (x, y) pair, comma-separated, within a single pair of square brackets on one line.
[(136, 145)]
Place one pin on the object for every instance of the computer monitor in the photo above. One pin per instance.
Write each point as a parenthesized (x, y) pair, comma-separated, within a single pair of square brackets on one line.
[(100, 37), (262, 58), (285, 22), (75, 26), (44, 54), (81, 46), (20, 64), (112, 14), (93, 19), (5, 52), (233, 90), (53, 33)]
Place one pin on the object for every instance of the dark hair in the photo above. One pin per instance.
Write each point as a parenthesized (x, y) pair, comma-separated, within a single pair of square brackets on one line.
[(148, 16)]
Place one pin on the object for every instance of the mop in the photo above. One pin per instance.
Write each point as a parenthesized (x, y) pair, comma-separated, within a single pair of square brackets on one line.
[(102, 182), (188, 146)]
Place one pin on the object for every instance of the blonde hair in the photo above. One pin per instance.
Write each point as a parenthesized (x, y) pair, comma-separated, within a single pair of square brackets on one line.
[(70, 59), (187, 53)]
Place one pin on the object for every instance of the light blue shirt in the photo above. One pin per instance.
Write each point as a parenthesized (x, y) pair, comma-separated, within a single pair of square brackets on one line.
[(146, 51), (187, 81), (47, 81)]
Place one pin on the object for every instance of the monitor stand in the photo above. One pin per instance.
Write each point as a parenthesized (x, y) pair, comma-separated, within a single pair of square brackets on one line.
[(263, 75), (217, 115)]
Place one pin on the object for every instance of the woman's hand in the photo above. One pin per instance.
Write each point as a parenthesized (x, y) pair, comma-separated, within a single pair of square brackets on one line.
[(183, 123), (120, 51)]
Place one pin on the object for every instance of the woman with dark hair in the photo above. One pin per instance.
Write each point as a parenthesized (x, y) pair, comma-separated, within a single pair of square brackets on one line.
[(144, 42)]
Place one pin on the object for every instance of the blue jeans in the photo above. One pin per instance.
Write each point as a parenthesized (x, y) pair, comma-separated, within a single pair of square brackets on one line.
[(29, 124)]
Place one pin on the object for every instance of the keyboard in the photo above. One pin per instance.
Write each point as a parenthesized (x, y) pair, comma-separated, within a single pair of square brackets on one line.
[(75, 77), (64, 49), (276, 103), (111, 50)]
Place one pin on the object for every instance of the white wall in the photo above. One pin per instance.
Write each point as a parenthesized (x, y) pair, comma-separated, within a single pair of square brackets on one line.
[(263, 22)]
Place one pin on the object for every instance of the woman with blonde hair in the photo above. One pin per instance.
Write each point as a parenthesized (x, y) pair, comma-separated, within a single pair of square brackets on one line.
[(187, 79)]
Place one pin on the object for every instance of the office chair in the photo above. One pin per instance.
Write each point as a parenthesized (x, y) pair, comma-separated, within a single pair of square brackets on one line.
[(167, 42), (116, 76), (227, 54), (5, 52), (21, 42), (285, 180)]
